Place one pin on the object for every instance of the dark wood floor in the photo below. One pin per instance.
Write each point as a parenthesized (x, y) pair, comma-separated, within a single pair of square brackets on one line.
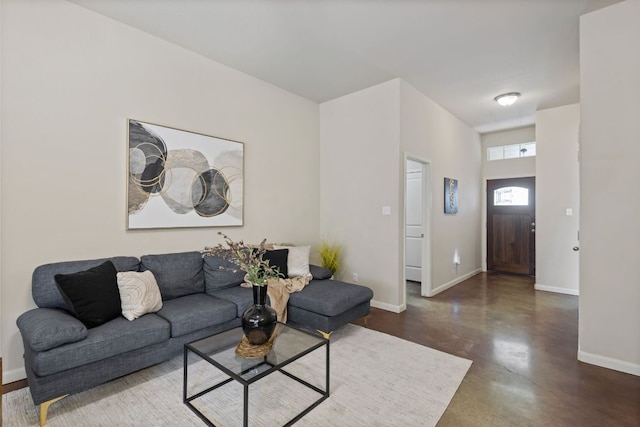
[(523, 344)]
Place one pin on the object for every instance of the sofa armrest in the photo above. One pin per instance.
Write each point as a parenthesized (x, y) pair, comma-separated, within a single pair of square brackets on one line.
[(47, 328), (320, 273)]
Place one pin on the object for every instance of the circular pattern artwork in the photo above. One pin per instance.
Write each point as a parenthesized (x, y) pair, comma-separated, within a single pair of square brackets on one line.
[(182, 179)]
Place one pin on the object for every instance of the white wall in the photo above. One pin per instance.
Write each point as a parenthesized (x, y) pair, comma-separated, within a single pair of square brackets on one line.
[(361, 172), (364, 138), (500, 169), (557, 189), (70, 79), (609, 203), (431, 133)]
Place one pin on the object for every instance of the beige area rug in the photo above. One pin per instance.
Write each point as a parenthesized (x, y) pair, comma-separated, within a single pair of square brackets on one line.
[(376, 380)]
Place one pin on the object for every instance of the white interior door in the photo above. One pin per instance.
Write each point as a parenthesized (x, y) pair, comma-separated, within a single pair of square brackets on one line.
[(414, 232)]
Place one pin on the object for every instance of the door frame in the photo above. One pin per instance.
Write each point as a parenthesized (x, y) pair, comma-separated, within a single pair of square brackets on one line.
[(426, 286)]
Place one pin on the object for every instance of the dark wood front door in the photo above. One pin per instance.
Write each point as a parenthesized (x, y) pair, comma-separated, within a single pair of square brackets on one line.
[(511, 209)]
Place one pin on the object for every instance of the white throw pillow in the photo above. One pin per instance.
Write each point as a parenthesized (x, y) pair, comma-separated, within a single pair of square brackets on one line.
[(297, 260), (139, 293)]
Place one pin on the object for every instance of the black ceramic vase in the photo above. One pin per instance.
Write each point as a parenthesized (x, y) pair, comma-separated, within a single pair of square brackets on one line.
[(259, 320)]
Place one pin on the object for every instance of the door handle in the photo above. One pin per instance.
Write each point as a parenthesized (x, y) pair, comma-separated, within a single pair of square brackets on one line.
[(576, 248)]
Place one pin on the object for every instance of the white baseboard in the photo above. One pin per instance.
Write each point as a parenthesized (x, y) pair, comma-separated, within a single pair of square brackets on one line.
[(539, 287), (454, 282), (388, 307), (609, 363), (13, 375)]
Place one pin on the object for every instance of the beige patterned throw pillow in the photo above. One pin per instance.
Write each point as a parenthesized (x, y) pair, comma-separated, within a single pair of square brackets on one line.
[(139, 293)]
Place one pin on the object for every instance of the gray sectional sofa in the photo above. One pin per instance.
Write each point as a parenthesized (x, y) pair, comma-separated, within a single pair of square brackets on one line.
[(62, 356)]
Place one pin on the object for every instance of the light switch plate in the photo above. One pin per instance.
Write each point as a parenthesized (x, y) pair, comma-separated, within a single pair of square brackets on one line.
[(569, 212), (386, 210)]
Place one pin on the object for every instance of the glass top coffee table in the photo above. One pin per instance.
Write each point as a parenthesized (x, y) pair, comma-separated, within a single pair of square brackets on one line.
[(218, 350)]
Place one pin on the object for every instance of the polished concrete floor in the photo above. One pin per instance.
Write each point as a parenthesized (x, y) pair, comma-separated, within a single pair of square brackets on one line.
[(523, 344)]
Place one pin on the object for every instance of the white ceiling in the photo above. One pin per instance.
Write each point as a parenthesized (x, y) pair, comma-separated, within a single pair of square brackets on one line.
[(459, 53)]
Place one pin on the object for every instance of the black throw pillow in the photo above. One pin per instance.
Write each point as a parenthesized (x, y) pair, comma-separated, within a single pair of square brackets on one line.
[(92, 295), (278, 259)]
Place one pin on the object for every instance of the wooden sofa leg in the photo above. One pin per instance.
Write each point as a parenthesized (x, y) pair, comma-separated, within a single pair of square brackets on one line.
[(44, 408)]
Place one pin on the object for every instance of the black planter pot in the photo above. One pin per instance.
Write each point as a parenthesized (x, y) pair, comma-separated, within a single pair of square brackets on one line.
[(259, 320)]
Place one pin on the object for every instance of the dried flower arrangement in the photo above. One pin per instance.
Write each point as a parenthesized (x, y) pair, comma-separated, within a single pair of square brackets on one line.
[(249, 258)]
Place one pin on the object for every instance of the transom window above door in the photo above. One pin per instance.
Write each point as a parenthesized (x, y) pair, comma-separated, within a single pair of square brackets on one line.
[(511, 196), (513, 151)]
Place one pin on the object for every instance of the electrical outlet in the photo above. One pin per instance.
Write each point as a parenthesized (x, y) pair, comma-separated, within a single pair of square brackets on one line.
[(355, 277)]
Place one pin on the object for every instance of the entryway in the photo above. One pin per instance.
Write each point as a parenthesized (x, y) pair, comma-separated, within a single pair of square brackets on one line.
[(511, 226)]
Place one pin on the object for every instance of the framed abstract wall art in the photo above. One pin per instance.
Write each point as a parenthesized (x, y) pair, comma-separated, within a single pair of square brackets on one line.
[(450, 196), (182, 179)]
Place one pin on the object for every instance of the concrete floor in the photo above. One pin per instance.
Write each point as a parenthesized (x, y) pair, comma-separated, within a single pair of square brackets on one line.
[(523, 344)]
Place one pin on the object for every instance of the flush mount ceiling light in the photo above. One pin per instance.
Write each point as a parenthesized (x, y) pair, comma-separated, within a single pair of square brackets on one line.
[(507, 99)]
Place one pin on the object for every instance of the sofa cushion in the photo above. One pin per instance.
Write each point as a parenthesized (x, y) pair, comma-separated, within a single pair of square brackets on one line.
[(43, 285), (115, 337), (177, 274), (330, 297), (314, 321), (240, 296), (139, 293), (91, 295), (192, 312), (220, 274), (47, 328)]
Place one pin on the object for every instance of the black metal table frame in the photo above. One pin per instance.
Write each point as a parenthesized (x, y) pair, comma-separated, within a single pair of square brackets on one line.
[(246, 383)]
